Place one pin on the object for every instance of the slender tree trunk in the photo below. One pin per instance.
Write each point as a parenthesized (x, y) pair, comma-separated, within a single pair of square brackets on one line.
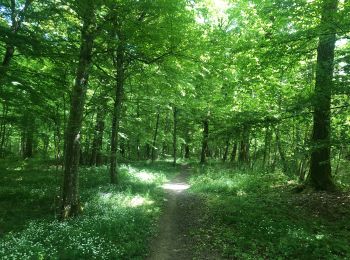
[(227, 146), (174, 136), (281, 151), (119, 92), (340, 152), (3, 128), (98, 135), (17, 18), (234, 152), (187, 151), (267, 146), (244, 145), (205, 140), (70, 191), (28, 153), (255, 153), (320, 166), (138, 152), (147, 151), (155, 138)]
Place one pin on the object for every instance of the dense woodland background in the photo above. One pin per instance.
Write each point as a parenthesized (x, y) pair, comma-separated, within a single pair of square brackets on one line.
[(260, 85)]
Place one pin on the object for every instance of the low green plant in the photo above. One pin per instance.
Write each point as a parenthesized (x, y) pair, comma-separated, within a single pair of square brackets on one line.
[(116, 223), (255, 215)]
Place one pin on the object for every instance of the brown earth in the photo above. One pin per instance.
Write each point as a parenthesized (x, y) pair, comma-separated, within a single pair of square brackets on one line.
[(183, 213)]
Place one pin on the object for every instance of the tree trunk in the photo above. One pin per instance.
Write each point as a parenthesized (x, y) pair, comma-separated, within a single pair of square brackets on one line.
[(267, 147), (174, 135), (70, 191), (98, 135), (320, 176), (205, 140), (17, 18), (3, 129), (187, 151), (155, 138), (244, 145), (224, 158), (234, 152), (28, 152), (119, 92), (281, 151)]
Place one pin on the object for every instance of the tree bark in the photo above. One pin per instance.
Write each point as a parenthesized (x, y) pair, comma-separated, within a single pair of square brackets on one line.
[(3, 128), (187, 151), (98, 134), (281, 152), (155, 138), (320, 176), (174, 135), (234, 152), (70, 190), (267, 147), (244, 145), (224, 158), (17, 19), (119, 92), (205, 140)]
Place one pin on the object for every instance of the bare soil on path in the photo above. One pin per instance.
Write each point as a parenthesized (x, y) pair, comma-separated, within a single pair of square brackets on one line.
[(183, 212)]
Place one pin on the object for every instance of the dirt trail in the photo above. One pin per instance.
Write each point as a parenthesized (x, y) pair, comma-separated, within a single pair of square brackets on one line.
[(181, 214)]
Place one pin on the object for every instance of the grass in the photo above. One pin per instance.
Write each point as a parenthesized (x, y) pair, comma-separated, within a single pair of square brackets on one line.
[(255, 215), (117, 222)]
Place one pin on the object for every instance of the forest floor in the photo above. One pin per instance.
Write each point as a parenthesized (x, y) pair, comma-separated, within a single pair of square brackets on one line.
[(158, 211), (183, 212)]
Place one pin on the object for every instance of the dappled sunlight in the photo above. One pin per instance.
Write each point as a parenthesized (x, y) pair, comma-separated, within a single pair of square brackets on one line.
[(140, 201), (177, 187), (120, 200), (143, 175)]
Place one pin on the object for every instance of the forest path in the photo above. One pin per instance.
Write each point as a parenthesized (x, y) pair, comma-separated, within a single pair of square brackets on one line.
[(182, 213)]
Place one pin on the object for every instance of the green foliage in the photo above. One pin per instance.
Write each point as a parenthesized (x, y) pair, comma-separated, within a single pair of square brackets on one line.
[(255, 215), (117, 222)]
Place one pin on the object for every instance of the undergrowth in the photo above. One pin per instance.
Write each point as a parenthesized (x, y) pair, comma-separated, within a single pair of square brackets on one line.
[(117, 221), (255, 215)]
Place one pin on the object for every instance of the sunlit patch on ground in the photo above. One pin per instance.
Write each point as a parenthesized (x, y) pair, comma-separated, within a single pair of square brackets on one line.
[(116, 200), (141, 174), (139, 201), (178, 187)]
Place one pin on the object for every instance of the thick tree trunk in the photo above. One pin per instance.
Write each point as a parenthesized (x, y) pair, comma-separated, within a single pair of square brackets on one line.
[(205, 140), (70, 191), (119, 92), (155, 138), (174, 135), (320, 166)]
